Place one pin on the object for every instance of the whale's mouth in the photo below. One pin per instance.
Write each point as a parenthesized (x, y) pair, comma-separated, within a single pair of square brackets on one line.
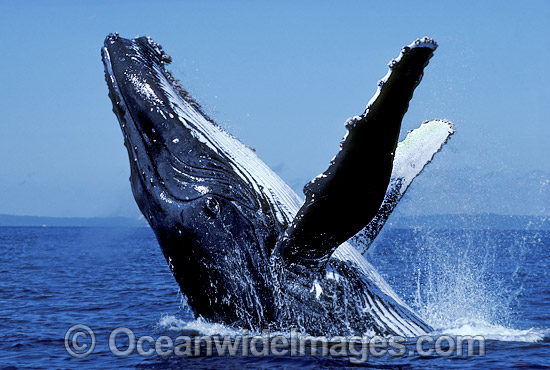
[(172, 155)]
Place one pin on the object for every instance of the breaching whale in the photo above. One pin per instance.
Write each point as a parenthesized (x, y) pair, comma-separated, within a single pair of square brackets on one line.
[(245, 250)]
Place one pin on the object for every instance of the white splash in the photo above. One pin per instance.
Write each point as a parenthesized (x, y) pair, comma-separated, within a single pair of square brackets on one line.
[(317, 288), (174, 323), (458, 292), (496, 332)]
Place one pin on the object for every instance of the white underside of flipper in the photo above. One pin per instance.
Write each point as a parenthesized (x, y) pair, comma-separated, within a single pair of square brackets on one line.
[(412, 155), (418, 149)]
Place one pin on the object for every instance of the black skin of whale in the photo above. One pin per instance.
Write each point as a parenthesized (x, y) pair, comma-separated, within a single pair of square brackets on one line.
[(234, 260)]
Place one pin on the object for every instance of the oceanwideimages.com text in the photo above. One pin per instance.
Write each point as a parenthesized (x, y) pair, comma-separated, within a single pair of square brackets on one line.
[(80, 341)]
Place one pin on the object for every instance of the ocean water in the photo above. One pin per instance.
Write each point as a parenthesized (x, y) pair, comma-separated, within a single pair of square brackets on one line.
[(492, 283)]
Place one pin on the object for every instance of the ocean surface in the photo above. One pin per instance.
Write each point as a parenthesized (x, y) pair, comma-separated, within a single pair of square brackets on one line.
[(492, 283)]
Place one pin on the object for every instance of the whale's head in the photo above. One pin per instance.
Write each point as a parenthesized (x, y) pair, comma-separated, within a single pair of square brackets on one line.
[(192, 181)]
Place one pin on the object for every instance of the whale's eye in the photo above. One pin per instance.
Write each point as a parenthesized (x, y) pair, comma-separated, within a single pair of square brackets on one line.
[(212, 206)]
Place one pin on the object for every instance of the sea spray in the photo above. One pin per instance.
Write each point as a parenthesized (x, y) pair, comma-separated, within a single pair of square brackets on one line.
[(468, 279)]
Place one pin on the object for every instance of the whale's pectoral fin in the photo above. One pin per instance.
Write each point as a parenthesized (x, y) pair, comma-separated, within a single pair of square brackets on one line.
[(411, 156), (346, 197)]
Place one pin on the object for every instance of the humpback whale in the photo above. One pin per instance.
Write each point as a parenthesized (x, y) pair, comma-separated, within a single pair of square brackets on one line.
[(244, 248)]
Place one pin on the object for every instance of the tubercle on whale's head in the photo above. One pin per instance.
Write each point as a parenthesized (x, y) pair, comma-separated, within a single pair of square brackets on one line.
[(201, 208)]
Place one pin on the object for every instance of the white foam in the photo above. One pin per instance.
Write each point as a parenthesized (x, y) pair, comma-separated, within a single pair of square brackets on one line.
[(495, 332), (174, 323), (170, 322), (485, 330)]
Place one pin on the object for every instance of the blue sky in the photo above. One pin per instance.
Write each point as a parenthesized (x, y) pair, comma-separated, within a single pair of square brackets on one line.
[(283, 78)]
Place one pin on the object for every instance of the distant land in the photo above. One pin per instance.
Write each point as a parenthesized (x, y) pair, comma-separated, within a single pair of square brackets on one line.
[(10, 220), (480, 221), (477, 222)]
